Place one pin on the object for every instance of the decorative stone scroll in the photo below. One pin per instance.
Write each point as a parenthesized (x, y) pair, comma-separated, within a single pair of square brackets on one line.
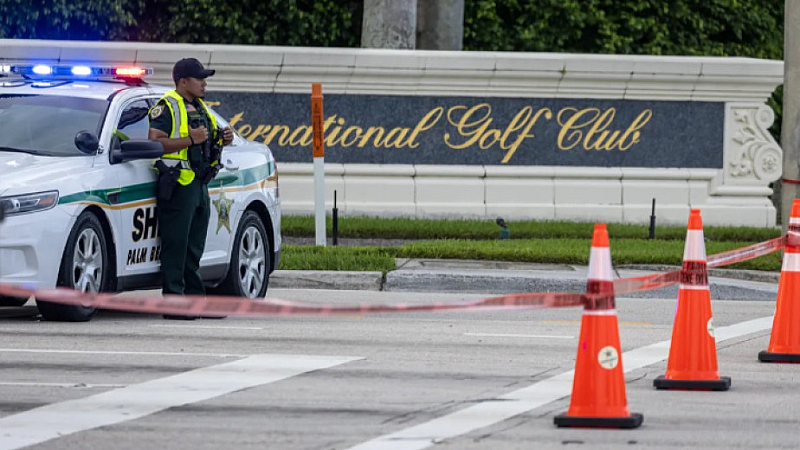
[(753, 155)]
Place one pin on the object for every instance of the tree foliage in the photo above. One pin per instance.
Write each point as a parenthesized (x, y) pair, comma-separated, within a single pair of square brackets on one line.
[(323, 23), (657, 27), (63, 19), (660, 27)]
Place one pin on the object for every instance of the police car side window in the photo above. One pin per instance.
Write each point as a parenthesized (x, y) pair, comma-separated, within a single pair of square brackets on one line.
[(133, 123)]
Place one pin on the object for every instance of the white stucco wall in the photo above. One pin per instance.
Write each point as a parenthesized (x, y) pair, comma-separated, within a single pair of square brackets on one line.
[(737, 194)]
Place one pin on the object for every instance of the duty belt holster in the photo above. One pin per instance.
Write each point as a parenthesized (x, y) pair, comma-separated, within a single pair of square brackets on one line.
[(168, 175), (208, 174)]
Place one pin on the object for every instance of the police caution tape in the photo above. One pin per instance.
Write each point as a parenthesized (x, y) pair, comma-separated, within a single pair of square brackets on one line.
[(745, 253), (237, 306)]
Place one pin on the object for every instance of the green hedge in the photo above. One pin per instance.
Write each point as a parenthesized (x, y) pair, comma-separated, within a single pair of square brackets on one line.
[(323, 23), (659, 27), (63, 19), (656, 27)]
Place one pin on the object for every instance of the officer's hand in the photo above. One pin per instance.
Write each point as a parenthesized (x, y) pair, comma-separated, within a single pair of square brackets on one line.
[(227, 136), (199, 134)]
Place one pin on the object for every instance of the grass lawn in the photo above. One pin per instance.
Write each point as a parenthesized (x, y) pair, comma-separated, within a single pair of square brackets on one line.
[(531, 241)]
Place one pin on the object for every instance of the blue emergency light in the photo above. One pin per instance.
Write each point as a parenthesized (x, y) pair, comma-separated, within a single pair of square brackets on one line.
[(81, 70), (75, 72)]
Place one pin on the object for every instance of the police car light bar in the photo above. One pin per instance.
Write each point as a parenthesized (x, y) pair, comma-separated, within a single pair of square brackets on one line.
[(130, 72), (76, 72)]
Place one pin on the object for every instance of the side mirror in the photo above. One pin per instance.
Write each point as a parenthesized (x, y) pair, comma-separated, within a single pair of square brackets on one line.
[(136, 149), (87, 142)]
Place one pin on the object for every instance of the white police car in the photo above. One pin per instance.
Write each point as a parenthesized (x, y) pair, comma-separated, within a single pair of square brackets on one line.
[(77, 190)]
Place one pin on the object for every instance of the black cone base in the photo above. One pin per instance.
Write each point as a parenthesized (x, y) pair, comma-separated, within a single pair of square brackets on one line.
[(563, 420), (723, 384), (779, 357)]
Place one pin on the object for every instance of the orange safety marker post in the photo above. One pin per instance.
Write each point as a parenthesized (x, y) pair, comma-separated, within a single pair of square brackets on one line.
[(317, 120), (692, 360), (598, 386), (318, 142), (784, 342)]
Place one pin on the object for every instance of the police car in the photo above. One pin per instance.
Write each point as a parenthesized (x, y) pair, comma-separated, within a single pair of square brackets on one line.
[(77, 189)]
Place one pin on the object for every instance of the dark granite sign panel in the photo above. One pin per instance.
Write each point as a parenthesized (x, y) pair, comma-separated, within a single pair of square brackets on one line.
[(383, 129)]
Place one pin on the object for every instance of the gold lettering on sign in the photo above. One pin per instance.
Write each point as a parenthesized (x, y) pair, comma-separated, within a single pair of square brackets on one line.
[(524, 120), (574, 122), (633, 129), (477, 130), (301, 136), (467, 127), (571, 134), (425, 124)]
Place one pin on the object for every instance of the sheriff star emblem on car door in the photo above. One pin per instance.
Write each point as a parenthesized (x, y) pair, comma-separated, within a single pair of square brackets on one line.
[(223, 206)]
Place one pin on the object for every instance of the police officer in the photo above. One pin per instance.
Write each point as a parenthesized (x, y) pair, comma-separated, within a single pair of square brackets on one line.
[(184, 126)]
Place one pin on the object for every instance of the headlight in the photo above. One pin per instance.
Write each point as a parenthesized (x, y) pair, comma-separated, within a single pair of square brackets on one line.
[(27, 203)]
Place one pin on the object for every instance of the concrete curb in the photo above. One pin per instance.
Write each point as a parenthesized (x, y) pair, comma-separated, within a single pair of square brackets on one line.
[(326, 279), (504, 278), (483, 281)]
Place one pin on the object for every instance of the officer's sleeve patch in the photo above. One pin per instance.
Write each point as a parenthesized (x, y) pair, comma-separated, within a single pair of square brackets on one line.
[(156, 111)]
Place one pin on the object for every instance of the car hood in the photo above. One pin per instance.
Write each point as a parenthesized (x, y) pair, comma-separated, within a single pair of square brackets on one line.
[(23, 172)]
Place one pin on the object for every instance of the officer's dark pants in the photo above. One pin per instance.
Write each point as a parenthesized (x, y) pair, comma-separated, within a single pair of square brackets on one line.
[(183, 222)]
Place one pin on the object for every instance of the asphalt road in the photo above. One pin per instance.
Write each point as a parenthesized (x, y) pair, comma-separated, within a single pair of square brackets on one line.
[(450, 380)]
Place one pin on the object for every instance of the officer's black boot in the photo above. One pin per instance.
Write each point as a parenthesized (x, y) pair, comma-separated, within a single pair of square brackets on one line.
[(178, 317)]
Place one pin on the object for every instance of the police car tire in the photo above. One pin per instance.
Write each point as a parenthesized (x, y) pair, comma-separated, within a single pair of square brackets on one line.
[(231, 285), (76, 313), (5, 300)]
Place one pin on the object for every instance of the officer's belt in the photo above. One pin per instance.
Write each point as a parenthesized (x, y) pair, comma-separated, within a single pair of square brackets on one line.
[(176, 163)]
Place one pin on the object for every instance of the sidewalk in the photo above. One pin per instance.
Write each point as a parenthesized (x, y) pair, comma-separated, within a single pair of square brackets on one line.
[(494, 277)]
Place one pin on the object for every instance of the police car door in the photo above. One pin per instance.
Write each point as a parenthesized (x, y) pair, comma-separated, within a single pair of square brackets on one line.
[(227, 198), (138, 249)]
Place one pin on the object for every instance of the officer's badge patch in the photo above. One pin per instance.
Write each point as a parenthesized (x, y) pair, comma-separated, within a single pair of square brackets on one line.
[(156, 111), (223, 206)]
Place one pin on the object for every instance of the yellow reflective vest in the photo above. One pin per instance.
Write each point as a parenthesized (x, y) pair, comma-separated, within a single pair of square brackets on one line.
[(180, 129)]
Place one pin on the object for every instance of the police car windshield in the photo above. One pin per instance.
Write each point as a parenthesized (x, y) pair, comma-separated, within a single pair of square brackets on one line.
[(47, 124)]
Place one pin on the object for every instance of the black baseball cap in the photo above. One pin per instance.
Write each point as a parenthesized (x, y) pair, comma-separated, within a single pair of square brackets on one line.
[(190, 67)]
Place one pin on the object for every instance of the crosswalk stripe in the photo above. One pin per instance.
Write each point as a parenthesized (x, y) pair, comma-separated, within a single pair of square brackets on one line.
[(529, 398), (132, 402)]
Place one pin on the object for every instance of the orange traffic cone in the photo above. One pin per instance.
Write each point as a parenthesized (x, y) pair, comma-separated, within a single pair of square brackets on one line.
[(598, 387), (784, 343), (692, 360)]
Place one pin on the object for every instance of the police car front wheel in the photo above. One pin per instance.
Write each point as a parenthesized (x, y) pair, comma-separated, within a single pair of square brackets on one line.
[(85, 266), (248, 273)]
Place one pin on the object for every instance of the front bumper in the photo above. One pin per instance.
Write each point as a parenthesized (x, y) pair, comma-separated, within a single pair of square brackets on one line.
[(31, 247)]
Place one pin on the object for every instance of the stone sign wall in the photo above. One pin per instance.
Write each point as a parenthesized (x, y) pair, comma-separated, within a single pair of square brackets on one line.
[(480, 134), (381, 129)]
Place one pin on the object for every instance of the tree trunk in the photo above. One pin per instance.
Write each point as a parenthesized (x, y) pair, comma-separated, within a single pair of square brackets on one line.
[(790, 131), (389, 24), (440, 24)]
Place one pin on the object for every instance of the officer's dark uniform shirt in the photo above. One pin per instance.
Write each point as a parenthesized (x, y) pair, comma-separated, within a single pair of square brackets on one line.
[(197, 118)]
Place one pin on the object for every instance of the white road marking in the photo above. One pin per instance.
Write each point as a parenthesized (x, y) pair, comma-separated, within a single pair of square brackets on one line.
[(132, 402), (113, 352), (529, 398), (207, 327), (64, 385), (536, 336)]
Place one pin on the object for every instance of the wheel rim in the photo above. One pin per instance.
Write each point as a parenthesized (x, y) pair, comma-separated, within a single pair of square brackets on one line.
[(87, 262), (252, 258)]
